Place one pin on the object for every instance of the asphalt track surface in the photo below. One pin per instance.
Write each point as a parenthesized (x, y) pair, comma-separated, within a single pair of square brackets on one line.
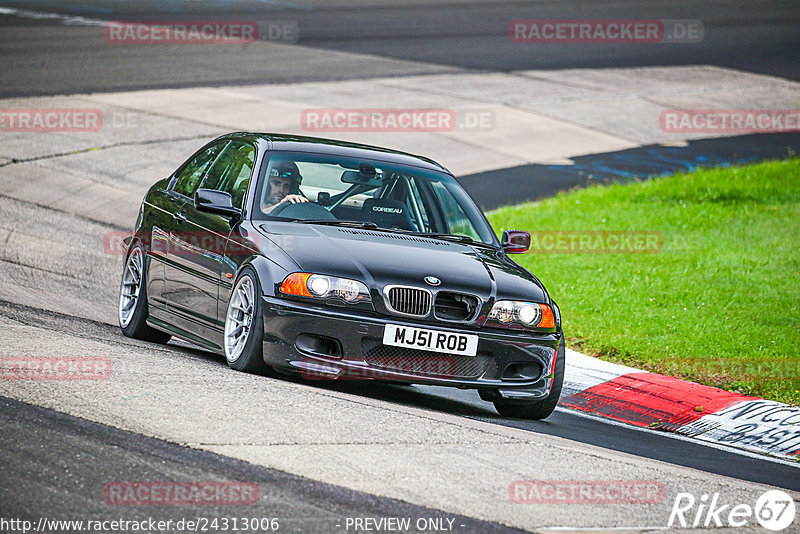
[(65, 462), (42, 57), (563, 423), (49, 56), (59, 464), (531, 182)]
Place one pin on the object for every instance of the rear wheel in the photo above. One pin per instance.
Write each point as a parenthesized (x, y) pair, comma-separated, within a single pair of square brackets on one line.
[(244, 325), (132, 306), (543, 408)]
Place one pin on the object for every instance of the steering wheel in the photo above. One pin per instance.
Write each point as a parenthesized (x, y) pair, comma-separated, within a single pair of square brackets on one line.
[(302, 210)]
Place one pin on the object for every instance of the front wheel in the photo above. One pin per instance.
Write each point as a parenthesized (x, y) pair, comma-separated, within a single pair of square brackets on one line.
[(543, 408), (132, 307), (244, 325)]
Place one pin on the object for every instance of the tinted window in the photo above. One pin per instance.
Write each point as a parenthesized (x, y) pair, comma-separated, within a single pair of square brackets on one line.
[(189, 177), (231, 171), (457, 221), (418, 206)]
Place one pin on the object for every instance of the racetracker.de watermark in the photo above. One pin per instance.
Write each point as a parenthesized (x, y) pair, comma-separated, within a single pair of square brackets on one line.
[(730, 120), (395, 119), (596, 242), (189, 243), (55, 368), (200, 32), (147, 493), (50, 120), (586, 31), (586, 492), (73, 120)]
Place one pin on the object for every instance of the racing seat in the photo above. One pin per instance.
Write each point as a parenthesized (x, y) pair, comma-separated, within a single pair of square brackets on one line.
[(387, 213)]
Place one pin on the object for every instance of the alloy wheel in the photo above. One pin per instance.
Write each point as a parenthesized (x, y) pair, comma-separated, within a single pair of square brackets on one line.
[(130, 287), (239, 319)]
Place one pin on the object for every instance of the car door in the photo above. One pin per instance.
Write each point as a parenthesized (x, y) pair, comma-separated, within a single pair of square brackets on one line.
[(198, 249), (168, 208)]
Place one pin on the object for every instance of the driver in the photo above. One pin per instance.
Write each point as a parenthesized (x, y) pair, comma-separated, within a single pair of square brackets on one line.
[(283, 186)]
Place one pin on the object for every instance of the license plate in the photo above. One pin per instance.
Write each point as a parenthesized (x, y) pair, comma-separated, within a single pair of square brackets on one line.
[(432, 340)]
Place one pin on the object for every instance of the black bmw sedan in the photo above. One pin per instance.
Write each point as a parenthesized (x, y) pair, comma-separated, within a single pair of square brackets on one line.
[(332, 260)]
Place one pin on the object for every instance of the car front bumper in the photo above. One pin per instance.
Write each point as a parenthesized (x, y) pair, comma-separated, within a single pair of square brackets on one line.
[(335, 343)]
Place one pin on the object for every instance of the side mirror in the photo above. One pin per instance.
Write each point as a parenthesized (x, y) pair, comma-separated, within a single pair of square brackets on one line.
[(218, 202), (516, 242)]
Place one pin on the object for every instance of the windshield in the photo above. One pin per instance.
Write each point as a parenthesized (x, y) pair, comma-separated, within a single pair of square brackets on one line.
[(333, 190)]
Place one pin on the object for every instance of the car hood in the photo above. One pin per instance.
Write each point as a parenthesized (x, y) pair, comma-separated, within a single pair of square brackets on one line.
[(384, 258)]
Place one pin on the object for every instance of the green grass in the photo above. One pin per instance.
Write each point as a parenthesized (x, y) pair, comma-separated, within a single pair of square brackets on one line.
[(718, 304)]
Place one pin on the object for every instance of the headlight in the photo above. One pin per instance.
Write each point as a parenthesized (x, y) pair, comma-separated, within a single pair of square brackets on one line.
[(530, 314), (324, 287)]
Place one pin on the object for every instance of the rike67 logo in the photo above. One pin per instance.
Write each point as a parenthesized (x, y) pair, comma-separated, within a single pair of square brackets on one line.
[(774, 510)]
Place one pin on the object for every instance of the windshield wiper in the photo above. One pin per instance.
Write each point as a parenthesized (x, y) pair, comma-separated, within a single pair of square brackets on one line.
[(450, 237), (331, 222), (467, 240)]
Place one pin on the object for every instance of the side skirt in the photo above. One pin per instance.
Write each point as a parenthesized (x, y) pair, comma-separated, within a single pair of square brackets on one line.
[(166, 323)]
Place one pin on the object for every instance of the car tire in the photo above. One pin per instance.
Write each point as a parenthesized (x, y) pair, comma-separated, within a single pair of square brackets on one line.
[(244, 325), (543, 408), (132, 309)]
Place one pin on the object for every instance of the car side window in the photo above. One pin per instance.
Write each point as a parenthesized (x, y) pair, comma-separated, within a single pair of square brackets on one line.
[(189, 176), (457, 220), (231, 171), (420, 204)]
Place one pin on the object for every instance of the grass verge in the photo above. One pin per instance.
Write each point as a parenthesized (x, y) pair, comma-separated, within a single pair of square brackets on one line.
[(716, 300)]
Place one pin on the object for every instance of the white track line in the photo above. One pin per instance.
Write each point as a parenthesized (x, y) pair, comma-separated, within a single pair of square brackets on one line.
[(68, 20)]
